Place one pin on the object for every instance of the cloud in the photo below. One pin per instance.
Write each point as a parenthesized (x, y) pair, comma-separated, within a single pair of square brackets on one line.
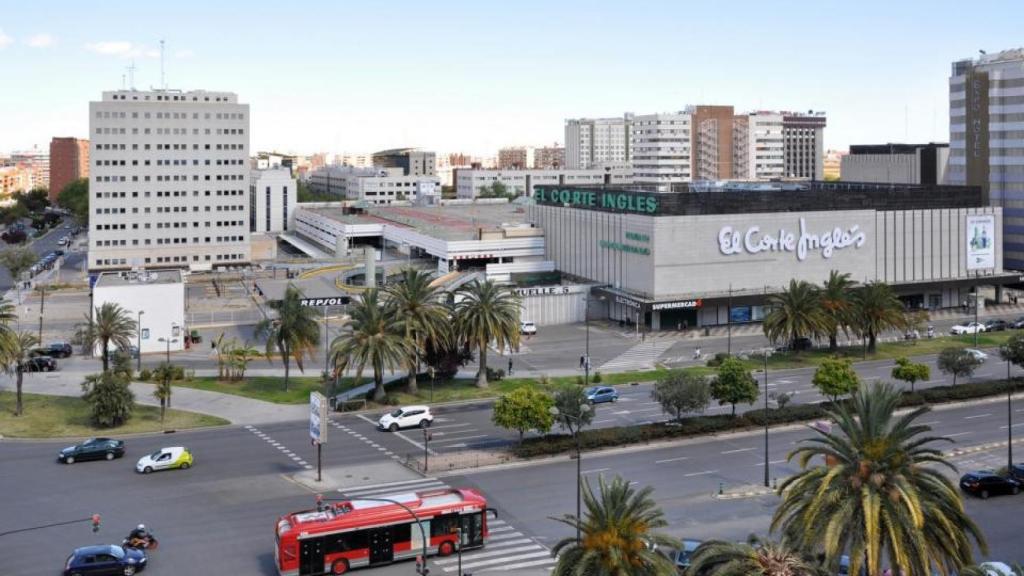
[(184, 54), (122, 49), (5, 40), (40, 41)]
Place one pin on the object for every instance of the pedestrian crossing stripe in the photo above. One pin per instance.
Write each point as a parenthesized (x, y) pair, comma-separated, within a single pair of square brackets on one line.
[(640, 356)]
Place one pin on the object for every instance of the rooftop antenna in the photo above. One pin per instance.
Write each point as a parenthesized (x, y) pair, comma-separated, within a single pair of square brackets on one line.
[(122, 82), (163, 85), (131, 75)]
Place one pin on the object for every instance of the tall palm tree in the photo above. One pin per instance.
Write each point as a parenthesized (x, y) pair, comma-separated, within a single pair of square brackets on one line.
[(163, 375), (720, 558), (796, 313), (487, 312), (617, 534), (877, 309), (110, 324), (417, 304), (837, 305), (15, 350), (375, 338), (294, 333), (880, 496), (8, 314)]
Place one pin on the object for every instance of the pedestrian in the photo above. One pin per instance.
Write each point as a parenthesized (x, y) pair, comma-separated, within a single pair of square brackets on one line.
[(582, 360), (696, 353), (685, 325), (510, 366)]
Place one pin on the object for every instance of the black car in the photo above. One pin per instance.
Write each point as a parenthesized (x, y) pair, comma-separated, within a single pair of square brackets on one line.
[(105, 560), (1017, 472), (996, 325), (39, 364), (1018, 323), (985, 483), (92, 449), (59, 350)]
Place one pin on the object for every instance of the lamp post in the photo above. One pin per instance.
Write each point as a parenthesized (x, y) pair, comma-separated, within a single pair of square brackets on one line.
[(584, 408), (431, 384), (169, 341), (138, 356), (1009, 419), (766, 418), (728, 323), (976, 275)]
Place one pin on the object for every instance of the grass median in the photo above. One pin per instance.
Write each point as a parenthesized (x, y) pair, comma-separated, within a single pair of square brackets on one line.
[(67, 416)]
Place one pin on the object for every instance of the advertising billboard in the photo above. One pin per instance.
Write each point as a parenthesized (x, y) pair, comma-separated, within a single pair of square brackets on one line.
[(981, 242), (317, 417)]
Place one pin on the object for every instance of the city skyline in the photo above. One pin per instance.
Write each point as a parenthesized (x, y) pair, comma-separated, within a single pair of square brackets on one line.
[(448, 78)]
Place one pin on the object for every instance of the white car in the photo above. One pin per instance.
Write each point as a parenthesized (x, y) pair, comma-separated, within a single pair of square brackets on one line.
[(978, 354), (969, 328), (528, 328), (406, 417), (165, 459)]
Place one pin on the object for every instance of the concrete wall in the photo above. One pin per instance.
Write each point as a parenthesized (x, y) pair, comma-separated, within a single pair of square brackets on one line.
[(551, 305), (163, 305)]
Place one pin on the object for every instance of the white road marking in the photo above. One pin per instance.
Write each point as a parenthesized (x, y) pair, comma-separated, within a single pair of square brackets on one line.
[(459, 439), (397, 434), (595, 470), (738, 450), (704, 473), (957, 434), (977, 416), (671, 460)]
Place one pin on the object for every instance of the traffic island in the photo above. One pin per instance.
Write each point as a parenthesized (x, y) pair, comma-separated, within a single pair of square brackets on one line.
[(341, 478)]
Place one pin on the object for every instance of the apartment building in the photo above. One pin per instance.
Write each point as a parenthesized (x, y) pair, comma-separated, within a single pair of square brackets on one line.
[(13, 179), (549, 158), (662, 150), (592, 142), (37, 162), (758, 152), (272, 199), (711, 142), (412, 161), (69, 161), (515, 158), (473, 182), (168, 180), (372, 185)]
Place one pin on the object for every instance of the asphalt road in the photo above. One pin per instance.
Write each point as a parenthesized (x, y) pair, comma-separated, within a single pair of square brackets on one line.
[(41, 246)]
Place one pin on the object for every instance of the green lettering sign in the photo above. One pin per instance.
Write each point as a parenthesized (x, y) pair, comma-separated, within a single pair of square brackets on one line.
[(605, 199)]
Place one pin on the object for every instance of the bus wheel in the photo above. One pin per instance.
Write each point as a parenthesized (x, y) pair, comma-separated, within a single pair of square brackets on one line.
[(339, 567), (446, 548)]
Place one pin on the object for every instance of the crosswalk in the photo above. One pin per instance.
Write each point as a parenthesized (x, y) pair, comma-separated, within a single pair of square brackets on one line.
[(507, 548), (641, 356)]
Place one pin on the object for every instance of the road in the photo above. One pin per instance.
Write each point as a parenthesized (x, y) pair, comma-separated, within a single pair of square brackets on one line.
[(41, 246)]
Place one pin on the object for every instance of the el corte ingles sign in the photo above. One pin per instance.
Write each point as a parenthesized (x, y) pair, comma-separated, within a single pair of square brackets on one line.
[(801, 242), (613, 200)]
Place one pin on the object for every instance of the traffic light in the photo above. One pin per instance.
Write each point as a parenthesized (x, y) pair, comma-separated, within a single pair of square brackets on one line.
[(95, 522)]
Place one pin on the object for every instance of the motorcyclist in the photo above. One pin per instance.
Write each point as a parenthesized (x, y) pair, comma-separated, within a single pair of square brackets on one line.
[(139, 536)]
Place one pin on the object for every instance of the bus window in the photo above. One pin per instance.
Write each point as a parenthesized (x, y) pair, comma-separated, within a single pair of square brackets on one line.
[(403, 533), (472, 530), (443, 525), (346, 541)]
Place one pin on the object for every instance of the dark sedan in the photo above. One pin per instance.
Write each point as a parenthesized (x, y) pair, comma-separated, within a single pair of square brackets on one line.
[(105, 560), (996, 325), (92, 449), (59, 350), (1017, 472), (1018, 323), (39, 364), (985, 483)]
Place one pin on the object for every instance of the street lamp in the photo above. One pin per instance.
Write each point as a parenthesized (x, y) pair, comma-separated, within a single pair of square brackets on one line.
[(584, 408), (586, 320), (766, 353), (1009, 418), (169, 341), (138, 356)]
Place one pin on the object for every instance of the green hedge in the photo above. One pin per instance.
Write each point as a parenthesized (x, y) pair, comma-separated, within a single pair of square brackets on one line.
[(704, 425)]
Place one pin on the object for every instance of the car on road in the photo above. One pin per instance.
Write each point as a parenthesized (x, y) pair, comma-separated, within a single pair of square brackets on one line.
[(599, 394), (406, 417), (985, 483), (92, 449), (165, 459), (1018, 323), (59, 350), (1017, 471), (39, 364), (681, 558), (978, 354), (527, 328), (104, 560), (996, 325), (969, 328)]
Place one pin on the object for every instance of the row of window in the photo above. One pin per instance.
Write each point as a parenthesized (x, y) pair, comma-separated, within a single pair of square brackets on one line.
[(169, 193), (168, 209), (164, 162), (108, 130), (147, 225), (163, 241), (168, 259), (170, 178), (172, 115), (168, 147)]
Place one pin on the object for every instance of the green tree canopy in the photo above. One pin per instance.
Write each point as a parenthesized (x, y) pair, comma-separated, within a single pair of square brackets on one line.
[(836, 377), (375, 339), (486, 312), (795, 313), (910, 372), (680, 392), (17, 261), (110, 400), (734, 384), (294, 333), (721, 558), (877, 309), (957, 362), (15, 350), (570, 401), (75, 198), (837, 305), (110, 325), (35, 200), (524, 409), (1013, 350), (417, 304)]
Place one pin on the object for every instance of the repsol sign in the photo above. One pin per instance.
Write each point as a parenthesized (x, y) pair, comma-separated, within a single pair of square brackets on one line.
[(333, 301), (607, 200)]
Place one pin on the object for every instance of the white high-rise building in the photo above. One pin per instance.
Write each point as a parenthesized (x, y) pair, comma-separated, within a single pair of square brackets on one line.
[(765, 151), (272, 198), (168, 180), (662, 150), (594, 142)]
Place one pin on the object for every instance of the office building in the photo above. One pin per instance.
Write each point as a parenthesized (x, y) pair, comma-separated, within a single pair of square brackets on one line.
[(169, 180), (477, 182), (549, 157), (69, 161), (372, 185), (272, 199), (516, 158), (37, 163), (804, 145), (662, 153), (711, 142), (896, 163), (986, 137), (412, 161), (591, 142)]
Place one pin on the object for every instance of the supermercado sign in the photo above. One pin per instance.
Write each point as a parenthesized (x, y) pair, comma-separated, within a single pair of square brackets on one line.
[(802, 242), (637, 203)]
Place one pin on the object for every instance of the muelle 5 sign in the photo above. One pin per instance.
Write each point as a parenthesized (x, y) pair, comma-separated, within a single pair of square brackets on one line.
[(753, 241)]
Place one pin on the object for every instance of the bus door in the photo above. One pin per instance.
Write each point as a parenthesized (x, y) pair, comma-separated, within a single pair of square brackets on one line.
[(472, 529), (311, 556), (382, 549)]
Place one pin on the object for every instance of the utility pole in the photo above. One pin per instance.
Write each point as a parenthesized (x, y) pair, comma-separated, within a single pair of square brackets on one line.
[(426, 449), (1009, 419), (765, 418), (42, 306), (728, 322), (976, 296)]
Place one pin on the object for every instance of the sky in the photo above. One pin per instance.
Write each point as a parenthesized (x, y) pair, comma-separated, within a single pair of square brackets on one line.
[(472, 77)]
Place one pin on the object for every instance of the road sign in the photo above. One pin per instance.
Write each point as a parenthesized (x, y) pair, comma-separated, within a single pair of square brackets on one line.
[(317, 417)]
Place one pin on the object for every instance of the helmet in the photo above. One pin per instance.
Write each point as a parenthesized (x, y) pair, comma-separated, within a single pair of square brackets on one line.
[(141, 527)]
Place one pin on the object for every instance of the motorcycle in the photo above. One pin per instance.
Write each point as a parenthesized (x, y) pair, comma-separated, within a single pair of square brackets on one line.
[(149, 542)]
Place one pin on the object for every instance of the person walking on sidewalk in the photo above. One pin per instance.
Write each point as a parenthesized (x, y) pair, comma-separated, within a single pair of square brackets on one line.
[(509, 365)]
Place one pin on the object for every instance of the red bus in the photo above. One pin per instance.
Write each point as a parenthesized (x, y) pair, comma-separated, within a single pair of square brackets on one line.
[(339, 536)]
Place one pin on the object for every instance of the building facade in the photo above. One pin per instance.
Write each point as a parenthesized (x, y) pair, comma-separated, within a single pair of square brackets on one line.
[(593, 142), (13, 179), (549, 158), (757, 144), (804, 145), (372, 185), (272, 199), (69, 161), (662, 150), (168, 180), (896, 163), (412, 162), (472, 182), (711, 142), (515, 158), (153, 298), (37, 163), (986, 137)]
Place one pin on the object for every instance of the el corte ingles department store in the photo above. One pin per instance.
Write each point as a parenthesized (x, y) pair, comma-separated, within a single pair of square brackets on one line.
[(711, 254)]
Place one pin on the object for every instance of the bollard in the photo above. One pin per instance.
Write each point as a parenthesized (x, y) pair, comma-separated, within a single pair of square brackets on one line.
[(775, 483), (721, 487)]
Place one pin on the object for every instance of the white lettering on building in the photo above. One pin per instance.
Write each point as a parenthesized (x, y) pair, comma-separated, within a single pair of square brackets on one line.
[(753, 241)]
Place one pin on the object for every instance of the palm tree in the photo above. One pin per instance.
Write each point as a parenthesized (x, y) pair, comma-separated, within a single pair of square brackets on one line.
[(8, 314), (836, 303), (617, 534), (16, 348), (413, 300), (110, 324), (163, 375), (487, 312), (720, 558), (376, 338), (294, 333), (877, 309), (880, 495), (796, 313), (981, 570)]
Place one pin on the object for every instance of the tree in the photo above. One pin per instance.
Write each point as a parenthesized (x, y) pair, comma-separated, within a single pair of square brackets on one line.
[(1016, 569), (75, 198), (721, 558), (916, 321), (837, 305), (619, 535), (487, 312), (734, 384), (1013, 350), (239, 360), (110, 400), (110, 324), (910, 372), (163, 375), (795, 313), (294, 333), (35, 200), (836, 377), (222, 347), (882, 497), (680, 392), (877, 309), (15, 350), (446, 357), (570, 401), (524, 409), (375, 338), (958, 362), (418, 304), (17, 261)]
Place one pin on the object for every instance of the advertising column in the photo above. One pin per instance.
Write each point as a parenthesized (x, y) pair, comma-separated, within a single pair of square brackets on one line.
[(981, 252)]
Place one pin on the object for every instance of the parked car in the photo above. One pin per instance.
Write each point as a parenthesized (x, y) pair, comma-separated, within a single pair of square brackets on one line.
[(985, 483), (800, 344), (105, 560), (528, 328), (1018, 323), (996, 325), (165, 459), (39, 364), (406, 417), (92, 449), (1017, 471), (681, 558), (978, 354), (59, 350), (969, 328), (599, 394)]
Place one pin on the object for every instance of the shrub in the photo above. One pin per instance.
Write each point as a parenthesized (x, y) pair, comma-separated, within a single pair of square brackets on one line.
[(110, 400), (580, 381), (718, 359), (597, 377), (145, 375), (495, 374)]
